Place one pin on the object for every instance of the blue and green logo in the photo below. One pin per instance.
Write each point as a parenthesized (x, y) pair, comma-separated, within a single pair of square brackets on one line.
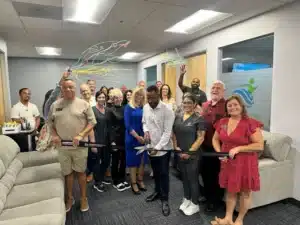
[(246, 92)]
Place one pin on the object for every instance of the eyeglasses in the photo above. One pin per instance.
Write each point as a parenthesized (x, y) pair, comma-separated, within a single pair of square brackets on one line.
[(187, 103)]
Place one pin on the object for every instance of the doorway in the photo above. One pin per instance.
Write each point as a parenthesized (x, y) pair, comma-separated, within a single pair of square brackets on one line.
[(151, 75), (2, 100)]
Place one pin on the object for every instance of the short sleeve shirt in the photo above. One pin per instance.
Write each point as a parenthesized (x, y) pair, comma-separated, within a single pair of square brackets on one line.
[(70, 117), (199, 94), (186, 130), (29, 112)]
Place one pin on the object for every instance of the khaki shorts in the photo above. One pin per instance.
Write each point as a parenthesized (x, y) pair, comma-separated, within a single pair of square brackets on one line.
[(72, 160)]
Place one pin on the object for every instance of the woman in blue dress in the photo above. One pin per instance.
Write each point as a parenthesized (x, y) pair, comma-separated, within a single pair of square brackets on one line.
[(134, 137)]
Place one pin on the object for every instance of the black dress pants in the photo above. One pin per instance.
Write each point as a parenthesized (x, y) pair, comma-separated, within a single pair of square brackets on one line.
[(91, 160), (160, 167), (118, 166), (210, 174), (101, 164)]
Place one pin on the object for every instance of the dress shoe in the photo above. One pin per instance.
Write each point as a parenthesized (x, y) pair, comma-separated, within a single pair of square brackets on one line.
[(185, 204), (152, 197), (210, 207), (165, 208), (202, 200)]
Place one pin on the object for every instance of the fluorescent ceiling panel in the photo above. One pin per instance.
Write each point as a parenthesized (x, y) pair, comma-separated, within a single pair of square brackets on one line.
[(197, 21), (226, 59), (48, 51), (129, 55), (87, 11)]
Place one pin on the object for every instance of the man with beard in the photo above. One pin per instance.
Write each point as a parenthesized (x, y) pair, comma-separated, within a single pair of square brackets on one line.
[(194, 89), (158, 119)]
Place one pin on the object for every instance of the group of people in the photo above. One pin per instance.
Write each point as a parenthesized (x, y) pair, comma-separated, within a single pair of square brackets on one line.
[(123, 122)]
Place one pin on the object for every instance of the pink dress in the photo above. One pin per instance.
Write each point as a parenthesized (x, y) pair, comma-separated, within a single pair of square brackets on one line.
[(240, 173)]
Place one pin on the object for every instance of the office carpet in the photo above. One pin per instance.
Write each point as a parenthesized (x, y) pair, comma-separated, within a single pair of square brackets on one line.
[(124, 208)]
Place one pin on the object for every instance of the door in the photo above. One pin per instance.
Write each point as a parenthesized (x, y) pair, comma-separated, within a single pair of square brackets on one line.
[(151, 73), (2, 102), (169, 77), (196, 68)]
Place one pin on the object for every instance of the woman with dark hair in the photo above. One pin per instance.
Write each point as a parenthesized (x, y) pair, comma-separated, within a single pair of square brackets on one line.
[(166, 96), (127, 97), (189, 131), (104, 90), (47, 95), (101, 130), (242, 138)]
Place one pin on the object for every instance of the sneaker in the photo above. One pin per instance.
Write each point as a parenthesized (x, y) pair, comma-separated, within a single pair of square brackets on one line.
[(69, 203), (106, 181), (120, 187), (84, 205), (191, 209), (100, 187), (185, 204), (126, 185)]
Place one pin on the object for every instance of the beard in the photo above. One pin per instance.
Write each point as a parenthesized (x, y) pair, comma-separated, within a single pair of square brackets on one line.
[(195, 86)]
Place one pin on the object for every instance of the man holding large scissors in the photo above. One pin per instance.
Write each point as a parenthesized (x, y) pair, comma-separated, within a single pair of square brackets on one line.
[(71, 118), (158, 121)]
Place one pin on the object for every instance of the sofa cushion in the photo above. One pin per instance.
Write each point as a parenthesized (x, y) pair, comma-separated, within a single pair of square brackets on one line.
[(8, 180), (45, 219), (35, 192), (277, 146), (39, 173), (9, 150), (38, 158), (51, 206)]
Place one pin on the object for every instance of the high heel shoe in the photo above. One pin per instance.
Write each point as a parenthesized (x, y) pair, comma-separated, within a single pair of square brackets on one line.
[(140, 186), (134, 191)]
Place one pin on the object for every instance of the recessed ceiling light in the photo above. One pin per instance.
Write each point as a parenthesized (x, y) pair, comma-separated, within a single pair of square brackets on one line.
[(129, 55), (50, 51), (226, 59), (91, 11), (197, 21)]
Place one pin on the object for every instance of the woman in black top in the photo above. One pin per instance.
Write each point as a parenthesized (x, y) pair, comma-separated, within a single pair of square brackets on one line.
[(101, 131), (126, 97), (189, 130), (117, 137)]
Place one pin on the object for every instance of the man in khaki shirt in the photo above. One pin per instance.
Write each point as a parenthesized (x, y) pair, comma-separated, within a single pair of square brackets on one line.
[(71, 118)]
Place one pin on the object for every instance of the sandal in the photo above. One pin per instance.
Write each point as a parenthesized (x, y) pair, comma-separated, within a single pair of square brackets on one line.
[(141, 187), (134, 191), (222, 221)]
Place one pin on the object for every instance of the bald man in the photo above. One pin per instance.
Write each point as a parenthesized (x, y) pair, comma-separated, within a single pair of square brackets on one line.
[(86, 94), (71, 118), (194, 89)]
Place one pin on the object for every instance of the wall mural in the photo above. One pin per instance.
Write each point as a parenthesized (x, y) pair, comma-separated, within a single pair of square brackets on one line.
[(89, 61), (247, 93), (255, 88), (173, 59)]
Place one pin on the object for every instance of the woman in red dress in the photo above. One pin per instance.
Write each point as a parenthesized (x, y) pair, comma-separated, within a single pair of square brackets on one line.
[(241, 136)]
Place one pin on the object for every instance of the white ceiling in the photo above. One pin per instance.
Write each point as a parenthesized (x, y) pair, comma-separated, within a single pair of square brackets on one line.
[(144, 22)]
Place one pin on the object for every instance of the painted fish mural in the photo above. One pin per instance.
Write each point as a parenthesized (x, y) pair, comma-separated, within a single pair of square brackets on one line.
[(246, 92)]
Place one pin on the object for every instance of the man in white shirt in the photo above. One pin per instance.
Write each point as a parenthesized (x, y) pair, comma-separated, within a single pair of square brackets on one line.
[(158, 119), (86, 94), (26, 110)]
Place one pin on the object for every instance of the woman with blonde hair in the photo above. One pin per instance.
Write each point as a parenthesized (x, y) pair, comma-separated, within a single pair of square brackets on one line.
[(134, 136), (115, 116)]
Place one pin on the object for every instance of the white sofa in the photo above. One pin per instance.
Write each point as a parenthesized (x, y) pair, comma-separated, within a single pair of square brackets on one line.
[(31, 187), (276, 167)]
